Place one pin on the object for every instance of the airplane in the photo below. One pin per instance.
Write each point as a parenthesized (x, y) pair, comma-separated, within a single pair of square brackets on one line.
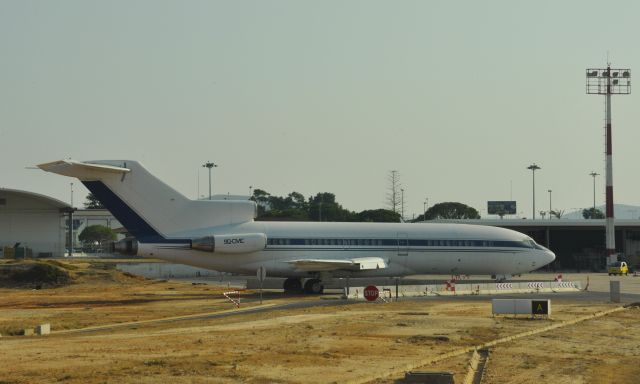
[(223, 235)]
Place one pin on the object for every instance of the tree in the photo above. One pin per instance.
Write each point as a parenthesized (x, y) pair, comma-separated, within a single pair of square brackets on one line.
[(93, 202), (394, 198), (323, 207), (451, 210), (557, 213), (261, 197), (592, 213), (96, 233), (379, 216)]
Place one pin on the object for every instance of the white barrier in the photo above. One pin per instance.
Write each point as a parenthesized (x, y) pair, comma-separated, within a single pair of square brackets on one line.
[(445, 289), (520, 307)]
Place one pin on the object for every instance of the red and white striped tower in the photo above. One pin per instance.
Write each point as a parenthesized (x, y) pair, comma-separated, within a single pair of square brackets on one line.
[(609, 82)]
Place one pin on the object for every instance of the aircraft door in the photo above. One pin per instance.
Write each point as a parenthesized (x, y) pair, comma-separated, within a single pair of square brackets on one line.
[(403, 251), (403, 244)]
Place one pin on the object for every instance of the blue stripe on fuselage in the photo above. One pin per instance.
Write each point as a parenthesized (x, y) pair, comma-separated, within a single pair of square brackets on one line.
[(135, 225)]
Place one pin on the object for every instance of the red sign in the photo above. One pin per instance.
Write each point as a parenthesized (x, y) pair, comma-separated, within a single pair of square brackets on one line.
[(371, 293)]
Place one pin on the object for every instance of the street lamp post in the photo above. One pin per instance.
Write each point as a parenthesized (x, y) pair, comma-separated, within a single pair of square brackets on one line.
[(533, 167), (402, 203), (594, 174), (548, 190), (424, 209), (71, 237), (209, 165)]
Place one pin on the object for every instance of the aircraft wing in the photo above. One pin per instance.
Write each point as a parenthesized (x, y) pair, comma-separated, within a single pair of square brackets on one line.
[(356, 264)]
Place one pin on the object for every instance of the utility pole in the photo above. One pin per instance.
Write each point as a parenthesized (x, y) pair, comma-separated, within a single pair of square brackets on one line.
[(607, 82), (209, 165), (549, 203)]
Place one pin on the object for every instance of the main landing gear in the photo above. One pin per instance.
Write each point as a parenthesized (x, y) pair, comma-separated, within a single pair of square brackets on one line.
[(501, 278), (312, 286), (292, 285)]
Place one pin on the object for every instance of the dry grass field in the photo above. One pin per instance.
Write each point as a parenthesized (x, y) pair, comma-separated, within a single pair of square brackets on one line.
[(363, 342)]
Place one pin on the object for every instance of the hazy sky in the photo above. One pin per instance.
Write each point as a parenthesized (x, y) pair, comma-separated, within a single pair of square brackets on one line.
[(459, 96)]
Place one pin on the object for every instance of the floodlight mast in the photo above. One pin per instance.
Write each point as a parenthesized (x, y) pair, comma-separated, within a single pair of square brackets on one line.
[(607, 81)]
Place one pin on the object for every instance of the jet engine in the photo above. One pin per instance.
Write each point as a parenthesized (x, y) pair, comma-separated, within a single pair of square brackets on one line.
[(126, 246), (231, 243)]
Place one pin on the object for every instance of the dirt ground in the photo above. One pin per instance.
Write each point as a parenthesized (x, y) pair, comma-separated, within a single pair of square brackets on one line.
[(363, 342)]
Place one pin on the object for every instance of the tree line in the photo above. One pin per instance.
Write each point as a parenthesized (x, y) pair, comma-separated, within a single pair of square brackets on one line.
[(321, 207), (324, 207)]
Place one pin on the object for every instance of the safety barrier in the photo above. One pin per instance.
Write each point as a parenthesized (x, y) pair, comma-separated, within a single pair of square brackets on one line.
[(235, 301), (445, 289)]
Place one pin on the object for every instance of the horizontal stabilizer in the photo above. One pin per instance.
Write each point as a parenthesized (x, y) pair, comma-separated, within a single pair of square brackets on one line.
[(356, 264), (83, 171)]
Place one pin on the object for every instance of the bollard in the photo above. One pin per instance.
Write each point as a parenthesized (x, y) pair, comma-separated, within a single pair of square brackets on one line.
[(614, 290)]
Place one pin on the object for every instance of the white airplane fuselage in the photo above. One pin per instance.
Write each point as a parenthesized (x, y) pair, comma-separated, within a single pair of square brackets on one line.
[(407, 249), (223, 235)]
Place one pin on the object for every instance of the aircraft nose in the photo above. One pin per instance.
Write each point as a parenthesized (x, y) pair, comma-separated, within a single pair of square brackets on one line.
[(549, 256)]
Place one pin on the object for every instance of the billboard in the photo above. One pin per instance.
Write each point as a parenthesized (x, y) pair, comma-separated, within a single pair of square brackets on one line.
[(501, 207)]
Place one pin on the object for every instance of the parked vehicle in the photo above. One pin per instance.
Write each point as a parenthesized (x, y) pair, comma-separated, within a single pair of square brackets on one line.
[(619, 268)]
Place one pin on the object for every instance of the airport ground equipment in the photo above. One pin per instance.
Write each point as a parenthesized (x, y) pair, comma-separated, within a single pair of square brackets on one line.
[(618, 268)]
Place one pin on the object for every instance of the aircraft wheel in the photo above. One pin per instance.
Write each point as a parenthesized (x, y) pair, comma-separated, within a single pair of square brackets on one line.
[(313, 286), (292, 285)]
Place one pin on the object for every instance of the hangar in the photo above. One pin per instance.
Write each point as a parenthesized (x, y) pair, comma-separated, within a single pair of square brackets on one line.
[(40, 223), (33, 220)]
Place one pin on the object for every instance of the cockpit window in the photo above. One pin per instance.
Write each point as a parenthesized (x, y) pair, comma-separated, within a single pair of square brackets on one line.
[(530, 243), (536, 245)]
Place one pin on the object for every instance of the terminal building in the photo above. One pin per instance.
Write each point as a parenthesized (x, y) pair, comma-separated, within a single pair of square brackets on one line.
[(578, 244)]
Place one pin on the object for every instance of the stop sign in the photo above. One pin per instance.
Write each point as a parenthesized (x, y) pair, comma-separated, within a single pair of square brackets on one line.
[(371, 293)]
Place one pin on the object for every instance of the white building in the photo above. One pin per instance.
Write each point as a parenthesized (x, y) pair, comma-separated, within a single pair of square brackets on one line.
[(41, 223), (33, 220)]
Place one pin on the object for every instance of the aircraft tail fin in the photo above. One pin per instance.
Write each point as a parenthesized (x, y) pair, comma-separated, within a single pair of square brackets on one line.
[(147, 207)]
